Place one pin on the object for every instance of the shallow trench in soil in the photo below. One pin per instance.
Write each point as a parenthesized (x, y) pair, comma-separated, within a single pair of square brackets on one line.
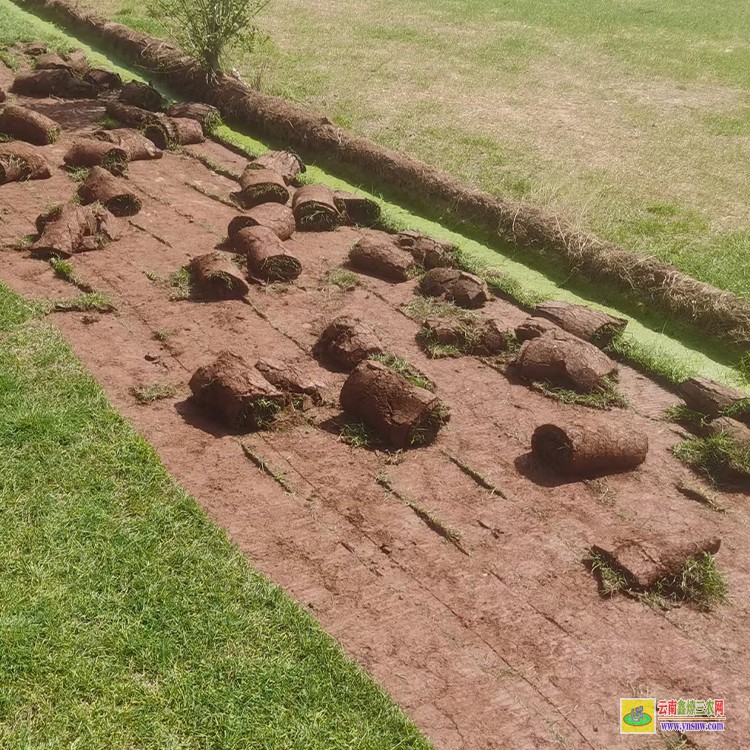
[(500, 641)]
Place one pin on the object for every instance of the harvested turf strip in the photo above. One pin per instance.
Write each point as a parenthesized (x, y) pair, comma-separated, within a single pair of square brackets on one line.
[(110, 191), (460, 287), (267, 257), (168, 132), (274, 216), (186, 131), (379, 255), (136, 146), (286, 163), (401, 413), (315, 209), (644, 563), (236, 394), (594, 326), (589, 448), (561, 359), (54, 82), (93, 153), (356, 210), (216, 277), (428, 252), (66, 230), (141, 95), (19, 161), (345, 342), (739, 432), (205, 114), (27, 125), (259, 186)]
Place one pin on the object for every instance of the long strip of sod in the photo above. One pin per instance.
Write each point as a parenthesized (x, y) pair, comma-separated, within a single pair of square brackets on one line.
[(128, 620)]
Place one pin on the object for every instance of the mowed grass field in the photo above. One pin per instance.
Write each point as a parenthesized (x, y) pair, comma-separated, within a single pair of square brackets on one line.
[(127, 619), (629, 117)]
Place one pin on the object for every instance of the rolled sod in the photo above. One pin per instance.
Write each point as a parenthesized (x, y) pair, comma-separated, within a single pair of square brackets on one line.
[(103, 79), (28, 125), (93, 153), (236, 394), (460, 287), (289, 378), (714, 399), (141, 95), (401, 413), (279, 219), (54, 82), (167, 132), (19, 161), (3, 96), (345, 342), (136, 146), (205, 114), (379, 255), (589, 449), (356, 210), (594, 326), (66, 230), (469, 336), (110, 191), (216, 277), (259, 186), (534, 327), (428, 252), (286, 163), (133, 117), (268, 259), (315, 209), (562, 359)]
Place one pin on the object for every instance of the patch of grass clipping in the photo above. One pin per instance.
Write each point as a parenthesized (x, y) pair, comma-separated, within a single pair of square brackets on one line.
[(180, 284), (607, 399), (79, 174), (404, 368), (718, 457), (610, 580), (147, 394), (343, 279), (357, 434), (92, 302), (129, 619), (684, 415)]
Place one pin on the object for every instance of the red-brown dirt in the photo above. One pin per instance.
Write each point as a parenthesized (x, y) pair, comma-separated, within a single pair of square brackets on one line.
[(500, 642)]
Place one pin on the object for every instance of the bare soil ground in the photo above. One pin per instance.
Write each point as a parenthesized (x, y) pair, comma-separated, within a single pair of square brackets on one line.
[(500, 640)]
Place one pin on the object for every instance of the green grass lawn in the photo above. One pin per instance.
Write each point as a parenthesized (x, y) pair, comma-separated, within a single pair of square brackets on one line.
[(127, 620), (632, 117)]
